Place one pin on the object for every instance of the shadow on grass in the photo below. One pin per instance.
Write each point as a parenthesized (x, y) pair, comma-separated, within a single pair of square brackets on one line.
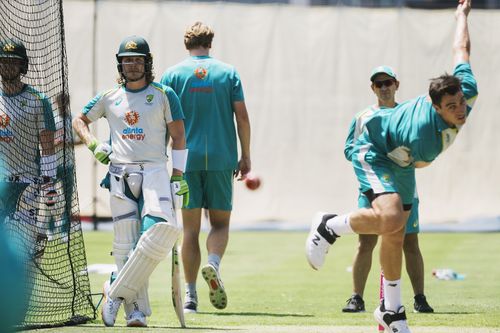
[(188, 328), (264, 314), (454, 313)]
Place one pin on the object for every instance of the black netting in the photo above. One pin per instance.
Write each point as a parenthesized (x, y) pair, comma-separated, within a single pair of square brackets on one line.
[(39, 206)]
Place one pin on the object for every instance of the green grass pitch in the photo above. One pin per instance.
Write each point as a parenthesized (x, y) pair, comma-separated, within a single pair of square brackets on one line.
[(271, 286)]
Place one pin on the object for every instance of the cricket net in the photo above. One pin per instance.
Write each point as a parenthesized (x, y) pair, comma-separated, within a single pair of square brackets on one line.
[(43, 224)]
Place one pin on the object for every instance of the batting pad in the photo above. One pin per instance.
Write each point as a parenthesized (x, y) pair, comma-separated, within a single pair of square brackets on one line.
[(126, 234), (153, 247)]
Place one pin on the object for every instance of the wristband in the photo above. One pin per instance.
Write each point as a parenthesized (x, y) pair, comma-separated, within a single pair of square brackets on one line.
[(179, 159)]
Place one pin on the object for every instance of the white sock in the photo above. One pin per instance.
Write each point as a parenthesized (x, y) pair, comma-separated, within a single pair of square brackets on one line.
[(214, 260), (392, 295), (340, 224), (191, 294)]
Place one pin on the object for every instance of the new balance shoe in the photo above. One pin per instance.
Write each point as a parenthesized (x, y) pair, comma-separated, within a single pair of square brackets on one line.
[(319, 240), (394, 322), (110, 307), (136, 319), (354, 304), (421, 304), (190, 306), (216, 293)]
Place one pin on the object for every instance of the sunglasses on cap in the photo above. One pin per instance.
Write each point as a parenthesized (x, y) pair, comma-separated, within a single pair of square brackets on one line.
[(386, 83)]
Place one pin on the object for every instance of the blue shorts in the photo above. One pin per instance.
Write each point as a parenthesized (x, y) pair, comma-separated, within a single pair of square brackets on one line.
[(210, 189), (412, 225)]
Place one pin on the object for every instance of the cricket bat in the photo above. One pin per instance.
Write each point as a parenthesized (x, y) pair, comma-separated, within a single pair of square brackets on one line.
[(176, 287), (381, 294)]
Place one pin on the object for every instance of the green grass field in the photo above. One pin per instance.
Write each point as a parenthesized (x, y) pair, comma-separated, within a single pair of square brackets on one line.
[(271, 288)]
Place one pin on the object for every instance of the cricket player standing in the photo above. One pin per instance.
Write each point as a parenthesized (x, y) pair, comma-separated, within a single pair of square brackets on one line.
[(212, 98), (393, 144), (27, 148), (141, 115)]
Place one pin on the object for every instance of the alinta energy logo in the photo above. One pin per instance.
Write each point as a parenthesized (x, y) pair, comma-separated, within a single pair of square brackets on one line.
[(200, 73), (6, 135), (201, 85), (132, 117), (131, 132)]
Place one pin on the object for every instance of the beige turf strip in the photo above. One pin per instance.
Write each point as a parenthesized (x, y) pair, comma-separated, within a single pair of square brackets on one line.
[(354, 329), (263, 329)]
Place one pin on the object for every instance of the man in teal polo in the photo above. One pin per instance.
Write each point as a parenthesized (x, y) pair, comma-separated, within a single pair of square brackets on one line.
[(394, 142), (212, 99)]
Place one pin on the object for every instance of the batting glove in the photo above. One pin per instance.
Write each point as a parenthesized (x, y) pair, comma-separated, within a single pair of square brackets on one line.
[(101, 151), (180, 191)]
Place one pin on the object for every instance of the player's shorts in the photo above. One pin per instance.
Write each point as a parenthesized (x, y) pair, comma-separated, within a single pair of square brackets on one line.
[(210, 189), (412, 225), (379, 174)]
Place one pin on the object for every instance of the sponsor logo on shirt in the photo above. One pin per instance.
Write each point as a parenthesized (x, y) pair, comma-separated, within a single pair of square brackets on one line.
[(132, 117), (118, 101), (149, 99), (6, 135), (200, 73), (201, 86), (133, 133)]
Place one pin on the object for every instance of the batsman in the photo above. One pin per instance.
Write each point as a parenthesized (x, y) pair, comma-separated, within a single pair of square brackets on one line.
[(142, 116)]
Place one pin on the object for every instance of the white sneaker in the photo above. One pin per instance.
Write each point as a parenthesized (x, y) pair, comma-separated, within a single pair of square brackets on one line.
[(136, 319), (319, 240), (394, 322), (216, 293), (110, 307)]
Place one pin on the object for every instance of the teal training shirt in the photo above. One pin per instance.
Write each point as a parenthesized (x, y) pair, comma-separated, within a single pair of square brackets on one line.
[(207, 89), (414, 131)]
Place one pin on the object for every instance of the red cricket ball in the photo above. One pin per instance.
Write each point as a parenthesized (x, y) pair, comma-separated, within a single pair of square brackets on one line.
[(252, 182)]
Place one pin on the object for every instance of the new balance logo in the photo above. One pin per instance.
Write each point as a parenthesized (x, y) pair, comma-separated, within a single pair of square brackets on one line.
[(316, 240), (392, 284)]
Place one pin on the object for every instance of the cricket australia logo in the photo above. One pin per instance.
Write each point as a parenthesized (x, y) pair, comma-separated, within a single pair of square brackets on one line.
[(9, 47), (131, 45), (200, 73), (132, 117), (149, 99), (386, 179)]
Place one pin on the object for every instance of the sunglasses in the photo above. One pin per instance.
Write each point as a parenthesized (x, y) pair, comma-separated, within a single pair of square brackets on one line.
[(386, 83)]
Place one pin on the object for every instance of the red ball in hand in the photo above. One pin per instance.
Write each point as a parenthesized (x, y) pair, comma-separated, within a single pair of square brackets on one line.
[(252, 182)]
